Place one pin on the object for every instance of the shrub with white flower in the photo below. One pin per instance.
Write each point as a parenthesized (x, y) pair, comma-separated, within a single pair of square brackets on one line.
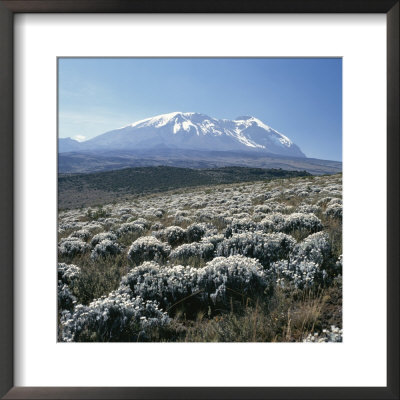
[(105, 248), (148, 248), (83, 234), (335, 200), (123, 210), (307, 209), (180, 220), (299, 221), (165, 284), (339, 262), (142, 221), (263, 208), (129, 227), (93, 226), (126, 217), (185, 252), (115, 318), (272, 223), (72, 246), (315, 248), (242, 225), (169, 285), (157, 226), (102, 236), (234, 274), (173, 235), (334, 210), (290, 223), (66, 300), (67, 275), (301, 274), (213, 239), (266, 248), (195, 232), (334, 334), (324, 201), (111, 221), (70, 225)]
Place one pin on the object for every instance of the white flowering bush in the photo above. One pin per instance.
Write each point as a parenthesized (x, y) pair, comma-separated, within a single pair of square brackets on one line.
[(195, 232), (184, 252), (308, 209), (126, 217), (157, 226), (72, 246), (299, 221), (308, 263), (105, 248), (96, 239), (328, 200), (290, 223), (67, 275), (335, 200), (148, 248), (274, 222), (300, 274), (83, 234), (128, 227), (339, 263), (142, 221), (180, 220), (173, 235), (264, 247), (240, 225), (66, 300), (333, 334), (165, 284), (169, 285), (215, 259), (237, 273), (213, 239), (264, 208), (315, 248), (93, 226), (111, 221), (115, 318), (334, 210)]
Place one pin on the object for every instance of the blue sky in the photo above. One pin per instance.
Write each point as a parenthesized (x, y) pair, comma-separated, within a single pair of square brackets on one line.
[(299, 97)]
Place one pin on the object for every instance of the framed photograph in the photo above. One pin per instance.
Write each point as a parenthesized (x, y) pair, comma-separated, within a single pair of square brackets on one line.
[(219, 188)]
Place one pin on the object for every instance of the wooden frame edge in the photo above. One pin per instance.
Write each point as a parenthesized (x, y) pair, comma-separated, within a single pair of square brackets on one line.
[(6, 200), (393, 200), (7, 389)]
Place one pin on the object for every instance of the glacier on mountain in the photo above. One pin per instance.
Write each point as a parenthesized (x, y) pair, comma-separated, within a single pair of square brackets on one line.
[(194, 131)]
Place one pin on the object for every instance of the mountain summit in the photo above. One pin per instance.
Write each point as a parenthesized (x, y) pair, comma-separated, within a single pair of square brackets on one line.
[(191, 131)]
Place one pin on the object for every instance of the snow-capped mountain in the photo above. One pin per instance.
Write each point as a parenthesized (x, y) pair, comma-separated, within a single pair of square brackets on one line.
[(193, 131)]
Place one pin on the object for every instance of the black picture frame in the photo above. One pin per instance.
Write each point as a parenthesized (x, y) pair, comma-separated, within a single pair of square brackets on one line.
[(8, 8)]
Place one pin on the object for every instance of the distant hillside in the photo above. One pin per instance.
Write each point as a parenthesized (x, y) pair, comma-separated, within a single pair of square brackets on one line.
[(86, 162), (104, 187)]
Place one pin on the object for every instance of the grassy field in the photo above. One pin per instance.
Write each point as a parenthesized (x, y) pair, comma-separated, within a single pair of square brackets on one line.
[(82, 190), (253, 261)]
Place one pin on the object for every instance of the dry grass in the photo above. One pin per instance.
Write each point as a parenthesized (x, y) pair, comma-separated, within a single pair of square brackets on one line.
[(284, 317)]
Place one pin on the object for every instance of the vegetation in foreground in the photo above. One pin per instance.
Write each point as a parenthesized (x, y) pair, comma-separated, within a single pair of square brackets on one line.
[(245, 262)]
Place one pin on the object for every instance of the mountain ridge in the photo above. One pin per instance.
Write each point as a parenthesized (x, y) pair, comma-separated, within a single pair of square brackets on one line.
[(191, 131)]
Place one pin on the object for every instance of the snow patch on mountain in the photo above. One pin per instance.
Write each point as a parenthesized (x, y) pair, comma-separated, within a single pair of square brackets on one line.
[(195, 131)]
